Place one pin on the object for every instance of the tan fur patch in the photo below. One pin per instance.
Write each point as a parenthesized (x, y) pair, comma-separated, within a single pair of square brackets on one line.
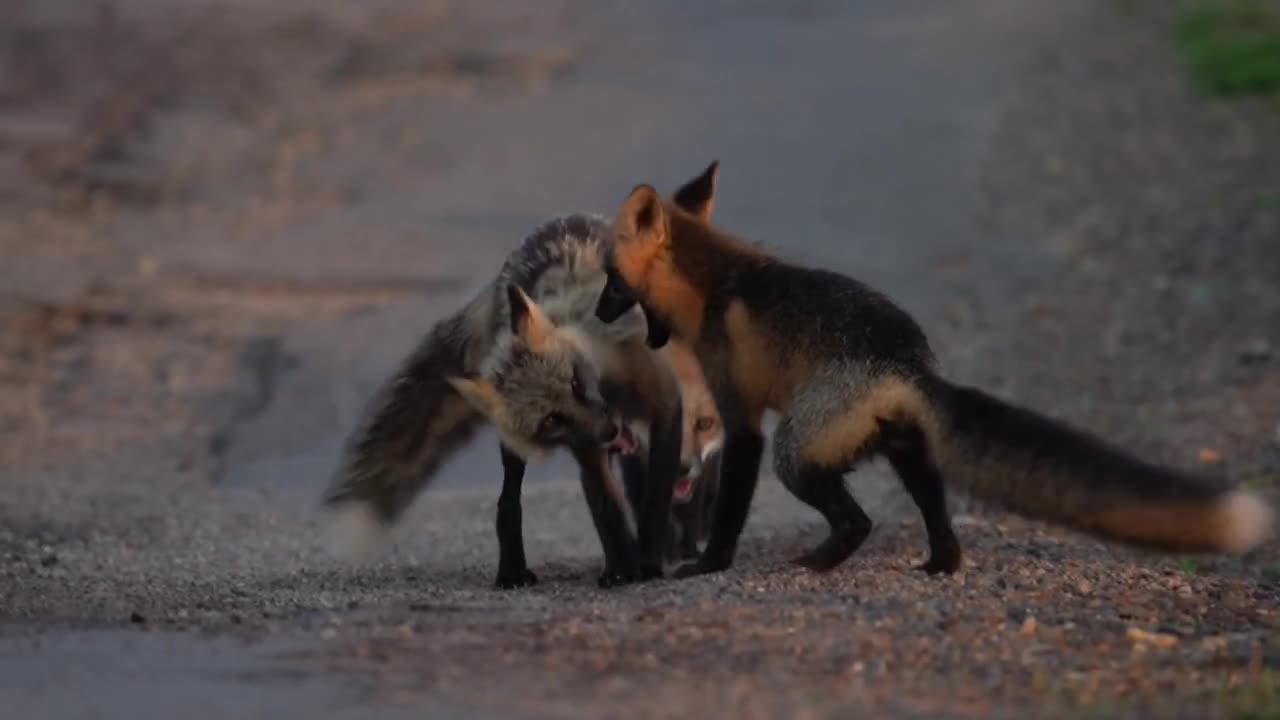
[(668, 292), (765, 382), (1192, 526), (845, 435), (535, 328), (648, 378)]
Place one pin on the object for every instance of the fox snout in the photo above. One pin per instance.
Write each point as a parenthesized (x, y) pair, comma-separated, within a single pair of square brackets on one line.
[(607, 431), (690, 467), (615, 299)]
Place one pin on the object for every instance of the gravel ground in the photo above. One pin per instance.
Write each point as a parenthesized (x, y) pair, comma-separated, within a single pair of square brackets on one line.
[(1122, 275)]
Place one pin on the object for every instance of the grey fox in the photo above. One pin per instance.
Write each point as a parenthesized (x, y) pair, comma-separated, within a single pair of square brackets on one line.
[(528, 355), (853, 376)]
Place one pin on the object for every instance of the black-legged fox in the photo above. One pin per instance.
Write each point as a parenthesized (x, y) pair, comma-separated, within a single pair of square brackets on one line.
[(528, 355), (853, 377)]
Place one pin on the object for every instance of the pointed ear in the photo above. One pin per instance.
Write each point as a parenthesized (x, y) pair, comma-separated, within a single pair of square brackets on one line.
[(642, 220), (477, 391), (528, 321), (699, 194)]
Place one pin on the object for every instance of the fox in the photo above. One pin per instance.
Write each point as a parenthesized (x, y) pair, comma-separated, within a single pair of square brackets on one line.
[(694, 494), (527, 356), (853, 377)]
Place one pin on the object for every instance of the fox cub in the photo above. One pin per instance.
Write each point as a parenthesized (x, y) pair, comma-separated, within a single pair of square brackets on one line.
[(853, 377)]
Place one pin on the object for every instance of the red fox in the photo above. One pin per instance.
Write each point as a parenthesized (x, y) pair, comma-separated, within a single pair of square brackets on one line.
[(694, 494), (853, 377)]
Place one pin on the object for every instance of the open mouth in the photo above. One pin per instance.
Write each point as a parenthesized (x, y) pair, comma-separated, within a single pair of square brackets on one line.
[(683, 491), (624, 442)]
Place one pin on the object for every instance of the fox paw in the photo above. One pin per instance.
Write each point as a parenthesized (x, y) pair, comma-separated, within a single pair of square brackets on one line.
[(511, 579), (611, 578), (704, 565), (941, 563)]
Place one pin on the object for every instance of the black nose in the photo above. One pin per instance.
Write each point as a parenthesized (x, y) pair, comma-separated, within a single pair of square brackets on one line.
[(608, 432)]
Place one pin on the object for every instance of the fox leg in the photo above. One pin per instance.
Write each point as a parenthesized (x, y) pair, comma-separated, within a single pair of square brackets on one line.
[(653, 520), (821, 487), (633, 479), (908, 455), (513, 570), (609, 516), (739, 475)]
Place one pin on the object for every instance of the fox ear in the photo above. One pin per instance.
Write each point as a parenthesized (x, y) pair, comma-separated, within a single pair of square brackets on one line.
[(642, 220), (698, 195), (527, 319), (477, 391)]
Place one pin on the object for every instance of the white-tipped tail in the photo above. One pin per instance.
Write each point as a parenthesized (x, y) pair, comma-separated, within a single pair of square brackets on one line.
[(356, 532), (1246, 521)]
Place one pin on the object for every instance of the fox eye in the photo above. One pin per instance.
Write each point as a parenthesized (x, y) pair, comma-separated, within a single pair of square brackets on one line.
[(551, 422), (704, 424)]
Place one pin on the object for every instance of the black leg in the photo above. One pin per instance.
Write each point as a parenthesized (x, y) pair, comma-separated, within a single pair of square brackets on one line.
[(620, 565), (513, 571), (708, 487), (909, 457), (685, 520), (824, 490), (739, 473), (654, 518)]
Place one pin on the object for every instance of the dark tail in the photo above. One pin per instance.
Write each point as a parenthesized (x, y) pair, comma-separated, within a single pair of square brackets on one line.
[(1045, 469), (414, 423)]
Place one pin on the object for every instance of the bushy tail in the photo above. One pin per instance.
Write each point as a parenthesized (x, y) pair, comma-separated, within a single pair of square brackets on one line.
[(414, 423), (1042, 468)]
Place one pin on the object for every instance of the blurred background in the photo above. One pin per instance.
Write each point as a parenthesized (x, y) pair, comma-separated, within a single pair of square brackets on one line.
[(223, 224)]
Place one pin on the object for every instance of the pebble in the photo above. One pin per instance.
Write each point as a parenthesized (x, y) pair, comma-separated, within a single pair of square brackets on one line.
[(1258, 351), (1028, 627), (1160, 640)]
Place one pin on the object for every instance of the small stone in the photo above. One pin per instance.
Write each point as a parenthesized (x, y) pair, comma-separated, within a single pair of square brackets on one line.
[(49, 560), (1084, 587), (1258, 351), (1209, 456), (1028, 627), (1160, 640), (136, 618)]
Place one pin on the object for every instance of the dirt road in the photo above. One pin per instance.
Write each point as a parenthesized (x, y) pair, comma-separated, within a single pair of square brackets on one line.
[(223, 226)]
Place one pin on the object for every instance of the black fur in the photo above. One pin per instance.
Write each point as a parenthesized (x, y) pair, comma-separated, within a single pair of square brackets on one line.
[(620, 552), (513, 570), (690, 522)]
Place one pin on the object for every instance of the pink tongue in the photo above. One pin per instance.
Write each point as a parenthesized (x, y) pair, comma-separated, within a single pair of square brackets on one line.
[(624, 442), (683, 489)]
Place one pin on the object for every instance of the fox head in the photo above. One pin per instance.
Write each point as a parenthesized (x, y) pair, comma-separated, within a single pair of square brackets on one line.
[(641, 265), (538, 388), (703, 433)]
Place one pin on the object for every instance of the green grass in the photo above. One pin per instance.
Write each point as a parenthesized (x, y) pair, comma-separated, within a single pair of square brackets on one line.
[(1189, 566), (1232, 47)]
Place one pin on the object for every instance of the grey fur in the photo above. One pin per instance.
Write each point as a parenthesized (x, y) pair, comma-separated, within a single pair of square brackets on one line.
[(419, 417)]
